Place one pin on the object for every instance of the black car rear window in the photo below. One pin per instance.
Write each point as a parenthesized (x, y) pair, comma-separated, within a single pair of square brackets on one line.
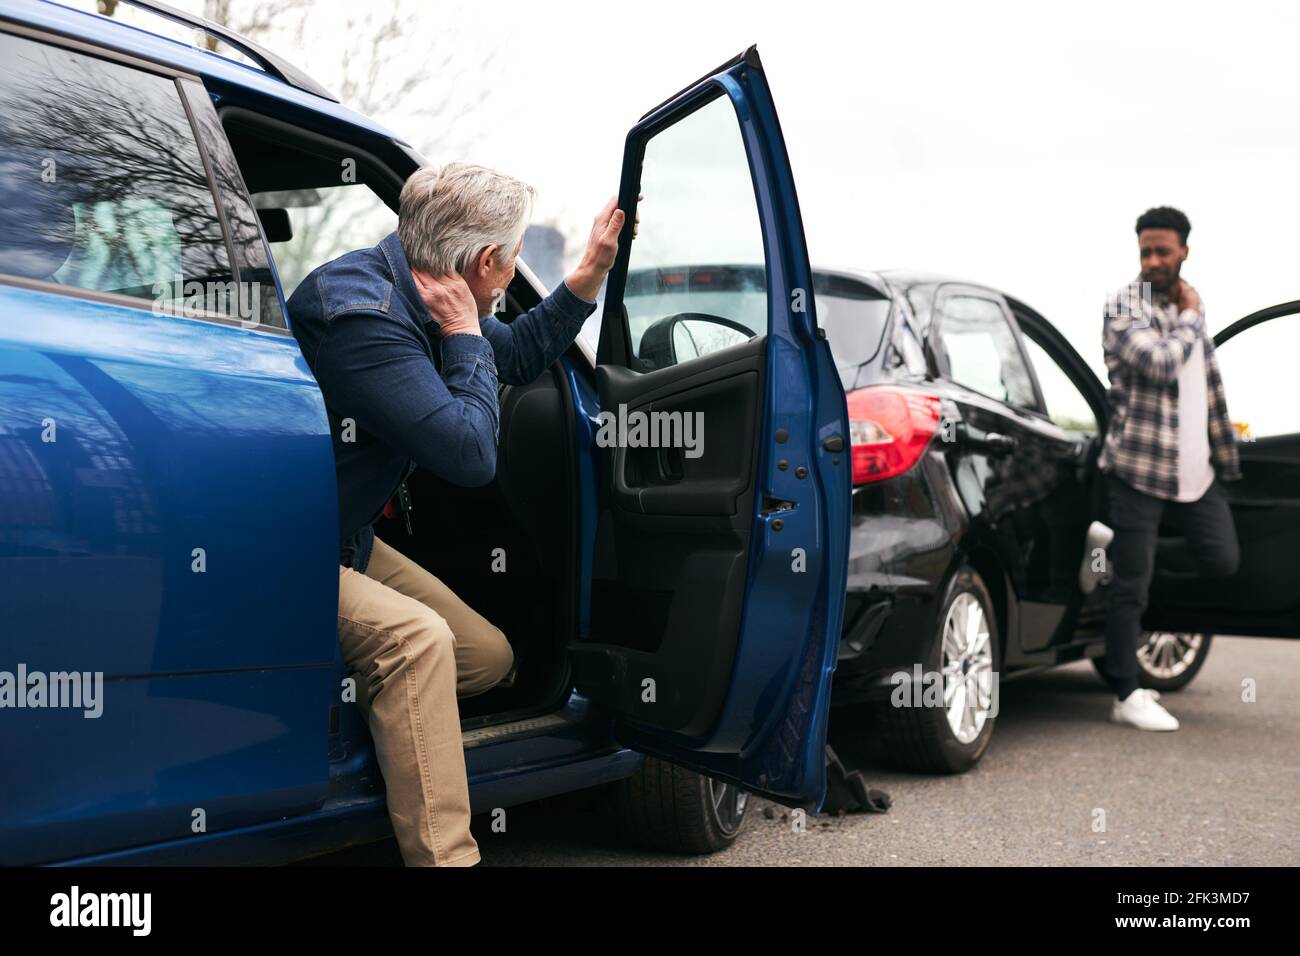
[(854, 316)]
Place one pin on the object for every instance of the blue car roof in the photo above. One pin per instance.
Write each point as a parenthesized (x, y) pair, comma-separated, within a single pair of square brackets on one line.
[(220, 70)]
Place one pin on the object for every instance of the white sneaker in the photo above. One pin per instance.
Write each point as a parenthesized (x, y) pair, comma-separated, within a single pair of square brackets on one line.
[(1099, 537), (1141, 710)]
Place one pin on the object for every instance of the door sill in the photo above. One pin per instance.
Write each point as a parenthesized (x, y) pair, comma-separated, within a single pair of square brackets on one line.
[(513, 730)]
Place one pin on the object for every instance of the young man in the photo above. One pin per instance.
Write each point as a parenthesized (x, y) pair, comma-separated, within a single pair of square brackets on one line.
[(1169, 438), (402, 340)]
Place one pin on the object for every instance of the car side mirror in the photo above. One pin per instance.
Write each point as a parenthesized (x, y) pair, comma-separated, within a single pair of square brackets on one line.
[(276, 224), (687, 335)]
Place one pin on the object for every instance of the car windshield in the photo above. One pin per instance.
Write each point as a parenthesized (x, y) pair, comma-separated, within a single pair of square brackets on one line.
[(852, 313)]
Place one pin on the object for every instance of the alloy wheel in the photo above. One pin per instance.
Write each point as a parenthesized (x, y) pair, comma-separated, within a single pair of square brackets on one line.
[(967, 667), (1167, 654), (728, 803)]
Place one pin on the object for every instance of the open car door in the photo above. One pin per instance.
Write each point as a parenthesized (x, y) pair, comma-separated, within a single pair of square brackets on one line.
[(1256, 360), (723, 525)]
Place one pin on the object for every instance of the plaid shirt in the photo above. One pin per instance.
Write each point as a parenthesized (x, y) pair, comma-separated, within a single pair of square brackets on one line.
[(1146, 340)]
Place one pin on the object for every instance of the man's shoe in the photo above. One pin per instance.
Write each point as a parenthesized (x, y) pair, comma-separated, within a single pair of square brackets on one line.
[(1098, 538), (1141, 710)]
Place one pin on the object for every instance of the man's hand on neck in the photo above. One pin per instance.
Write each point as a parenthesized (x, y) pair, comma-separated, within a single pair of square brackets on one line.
[(1184, 296), (450, 303)]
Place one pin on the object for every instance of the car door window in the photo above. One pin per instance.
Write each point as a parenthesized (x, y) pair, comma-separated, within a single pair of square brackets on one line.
[(981, 350), (102, 186), (1066, 405), (696, 276), (323, 224), (243, 232), (317, 198), (1255, 366)]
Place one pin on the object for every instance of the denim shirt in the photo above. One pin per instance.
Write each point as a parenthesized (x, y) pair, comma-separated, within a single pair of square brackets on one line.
[(398, 394)]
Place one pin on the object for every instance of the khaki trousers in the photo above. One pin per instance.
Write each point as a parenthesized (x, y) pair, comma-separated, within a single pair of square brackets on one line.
[(416, 647)]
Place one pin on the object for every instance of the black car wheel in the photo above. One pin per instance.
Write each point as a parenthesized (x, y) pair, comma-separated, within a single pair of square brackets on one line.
[(947, 732), (1168, 660), (666, 807)]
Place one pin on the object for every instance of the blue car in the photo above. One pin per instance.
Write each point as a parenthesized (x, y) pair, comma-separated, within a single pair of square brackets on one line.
[(665, 542)]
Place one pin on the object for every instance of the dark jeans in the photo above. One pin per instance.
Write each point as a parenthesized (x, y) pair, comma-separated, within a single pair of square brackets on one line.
[(1209, 548)]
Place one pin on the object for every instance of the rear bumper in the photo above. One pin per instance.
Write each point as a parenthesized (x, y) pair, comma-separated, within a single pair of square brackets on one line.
[(902, 547)]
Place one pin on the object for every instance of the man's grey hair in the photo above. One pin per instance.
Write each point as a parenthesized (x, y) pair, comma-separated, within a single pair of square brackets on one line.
[(449, 214)]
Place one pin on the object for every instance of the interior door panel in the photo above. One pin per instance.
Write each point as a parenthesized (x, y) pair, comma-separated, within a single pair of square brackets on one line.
[(672, 549), (670, 481)]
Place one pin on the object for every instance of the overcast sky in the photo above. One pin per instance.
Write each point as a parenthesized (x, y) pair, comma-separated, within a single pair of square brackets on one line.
[(1012, 144)]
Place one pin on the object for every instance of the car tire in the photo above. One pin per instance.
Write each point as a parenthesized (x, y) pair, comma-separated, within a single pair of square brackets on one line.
[(666, 807), (925, 738), (1168, 660)]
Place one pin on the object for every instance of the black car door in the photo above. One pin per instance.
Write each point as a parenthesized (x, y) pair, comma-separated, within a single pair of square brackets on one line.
[(1016, 470), (1257, 361), (1075, 401)]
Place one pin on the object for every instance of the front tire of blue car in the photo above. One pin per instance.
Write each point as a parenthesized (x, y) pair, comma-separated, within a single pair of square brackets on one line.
[(666, 807)]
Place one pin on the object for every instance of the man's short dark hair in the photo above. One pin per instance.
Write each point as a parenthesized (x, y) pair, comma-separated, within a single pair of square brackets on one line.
[(1165, 217)]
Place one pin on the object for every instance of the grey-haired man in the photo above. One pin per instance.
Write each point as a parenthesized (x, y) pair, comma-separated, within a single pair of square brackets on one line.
[(402, 340)]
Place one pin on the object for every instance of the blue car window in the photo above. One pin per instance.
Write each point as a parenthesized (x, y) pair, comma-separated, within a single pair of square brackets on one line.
[(102, 186), (697, 279)]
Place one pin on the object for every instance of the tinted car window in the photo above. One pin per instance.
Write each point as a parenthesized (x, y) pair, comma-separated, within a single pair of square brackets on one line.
[(252, 261), (982, 353), (101, 182), (853, 315)]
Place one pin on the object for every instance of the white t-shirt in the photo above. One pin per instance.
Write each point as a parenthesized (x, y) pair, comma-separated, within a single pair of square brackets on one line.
[(1195, 469)]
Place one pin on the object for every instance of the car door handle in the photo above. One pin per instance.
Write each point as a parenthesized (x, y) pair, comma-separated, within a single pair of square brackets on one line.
[(994, 443), (1002, 444), (671, 493)]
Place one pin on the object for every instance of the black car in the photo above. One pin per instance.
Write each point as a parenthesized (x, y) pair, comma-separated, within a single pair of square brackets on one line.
[(974, 430)]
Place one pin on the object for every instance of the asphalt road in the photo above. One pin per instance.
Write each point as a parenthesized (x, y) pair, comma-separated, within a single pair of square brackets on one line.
[(1224, 789)]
